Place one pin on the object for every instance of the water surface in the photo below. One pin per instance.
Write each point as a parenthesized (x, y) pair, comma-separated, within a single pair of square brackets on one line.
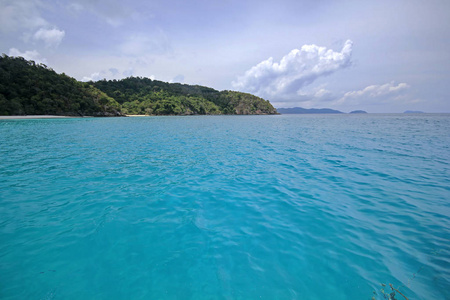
[(225, 207)]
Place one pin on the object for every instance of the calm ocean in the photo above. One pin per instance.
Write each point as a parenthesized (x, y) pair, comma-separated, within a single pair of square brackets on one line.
[(225, 207)]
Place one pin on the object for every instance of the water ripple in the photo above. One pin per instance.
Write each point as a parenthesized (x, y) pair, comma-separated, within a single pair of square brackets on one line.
[(225, 207)]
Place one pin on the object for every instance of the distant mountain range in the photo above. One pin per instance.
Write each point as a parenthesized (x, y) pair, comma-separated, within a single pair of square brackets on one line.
[(413, 112), (300, 110)]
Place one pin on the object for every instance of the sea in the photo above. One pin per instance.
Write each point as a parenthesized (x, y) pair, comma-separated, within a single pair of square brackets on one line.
[(226, 207)]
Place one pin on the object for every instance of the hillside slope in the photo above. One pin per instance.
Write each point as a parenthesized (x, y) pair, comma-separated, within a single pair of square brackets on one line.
[(27, 88), (145, 96)]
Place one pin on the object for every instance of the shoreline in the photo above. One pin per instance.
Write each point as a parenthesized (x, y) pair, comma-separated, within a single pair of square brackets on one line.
[(31, 117), (35, 117)]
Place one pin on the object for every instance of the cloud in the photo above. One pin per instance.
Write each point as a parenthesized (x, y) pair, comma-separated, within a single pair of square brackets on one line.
[(113, 12), (75, 7), (386, 97), (111, 73), (179, 78), (376, 94), (25, 16), (114, 71), (143, 44), (369, 97), (295, 70), (317, 97), (20, 14), (128, 72), (51, 37), (321, 93), (93, 77), (28, 55)]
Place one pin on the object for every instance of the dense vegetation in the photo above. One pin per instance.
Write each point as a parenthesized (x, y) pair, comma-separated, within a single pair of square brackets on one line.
[(27, 88), (30, 88), (153, 97)]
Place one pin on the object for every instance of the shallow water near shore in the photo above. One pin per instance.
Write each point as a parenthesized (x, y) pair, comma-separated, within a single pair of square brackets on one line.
[(225, 207)]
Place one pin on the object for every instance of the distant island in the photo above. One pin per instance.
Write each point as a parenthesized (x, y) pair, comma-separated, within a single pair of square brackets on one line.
[(300, 110), (28, 88), (413, 112), (358, 112)]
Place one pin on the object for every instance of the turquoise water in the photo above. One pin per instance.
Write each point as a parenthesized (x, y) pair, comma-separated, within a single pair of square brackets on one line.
[(225, 207)]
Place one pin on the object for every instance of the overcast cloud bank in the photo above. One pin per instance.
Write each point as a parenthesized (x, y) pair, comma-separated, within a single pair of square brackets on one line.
[(301, 67)]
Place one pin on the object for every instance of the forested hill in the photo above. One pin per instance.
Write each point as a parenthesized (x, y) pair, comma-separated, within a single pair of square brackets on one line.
[(28, 88), (152, 97)]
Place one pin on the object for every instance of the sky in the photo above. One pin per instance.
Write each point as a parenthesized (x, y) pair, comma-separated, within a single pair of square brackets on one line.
[(378, 56)]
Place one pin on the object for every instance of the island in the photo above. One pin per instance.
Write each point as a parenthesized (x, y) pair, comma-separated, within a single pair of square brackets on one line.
[(413, 112), (358, 112), (300, 110), (29, 88)]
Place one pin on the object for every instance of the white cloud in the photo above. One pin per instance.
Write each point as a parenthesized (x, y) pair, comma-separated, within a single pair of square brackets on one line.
[(20, 14), (373, 97), (24, 16), (93, 77), (297, 69), (321, 93), (28, 55), (51, 37), (388, 97), (317, 97), (375, 94), (111, 73)]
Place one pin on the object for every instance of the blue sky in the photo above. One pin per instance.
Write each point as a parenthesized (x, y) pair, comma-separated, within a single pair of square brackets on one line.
[(379, 56)]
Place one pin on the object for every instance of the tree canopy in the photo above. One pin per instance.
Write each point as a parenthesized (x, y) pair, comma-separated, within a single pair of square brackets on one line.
[(27, 88), (145, 96)]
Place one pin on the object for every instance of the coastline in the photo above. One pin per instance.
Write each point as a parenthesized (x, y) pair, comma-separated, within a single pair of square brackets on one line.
[(34, 117)]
